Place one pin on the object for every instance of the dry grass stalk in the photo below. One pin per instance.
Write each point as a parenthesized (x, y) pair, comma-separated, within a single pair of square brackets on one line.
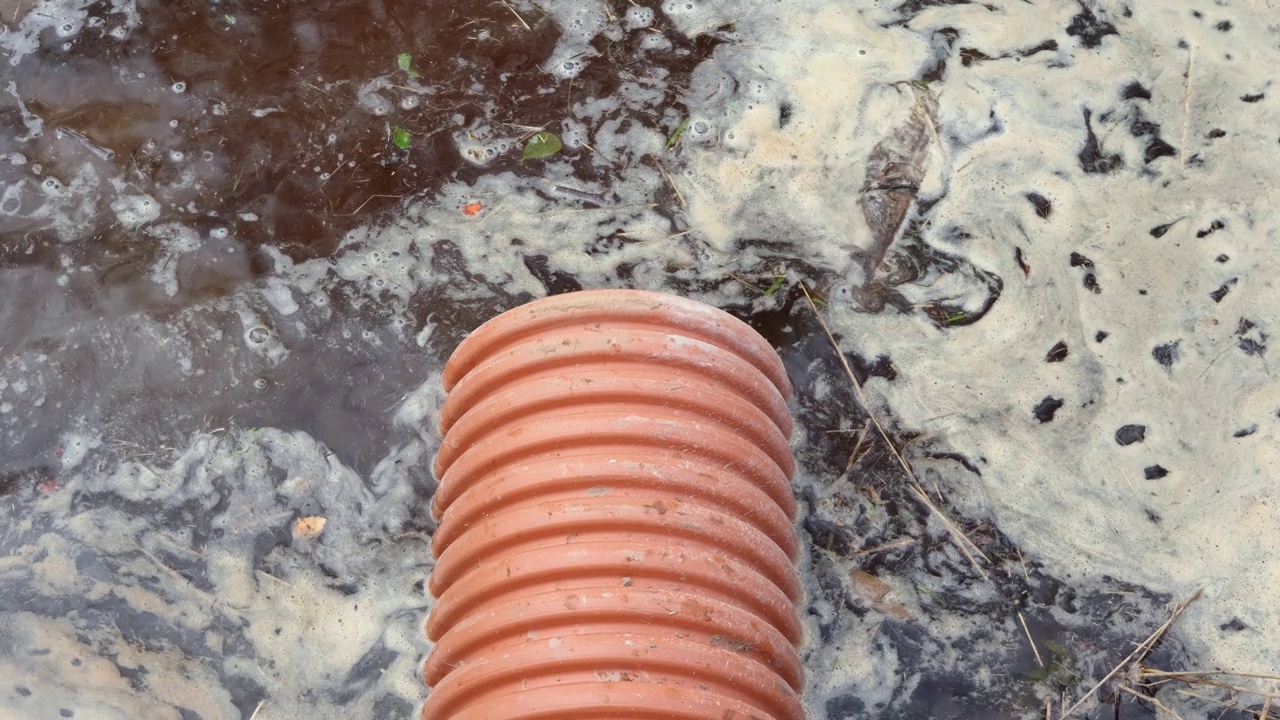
[(1232, 705), (1138, 655), (1027, 630), (672, 183), (513, 12), (855, 456), (1162, 711), (1183, 674), (1213, 678), (966, 546), (900, 542)]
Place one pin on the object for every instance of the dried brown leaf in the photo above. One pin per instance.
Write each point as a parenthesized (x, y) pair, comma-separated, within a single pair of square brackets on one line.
[(895, 169)]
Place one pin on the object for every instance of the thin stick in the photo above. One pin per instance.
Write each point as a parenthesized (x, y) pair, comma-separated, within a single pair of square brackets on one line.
[(331, 174), (672, 183), (962, 542), (1266, 709), (933, 128), (606, 207), (1025, 629), (862, 436), (1148, 672), (854, 457), (366, 202), (754, 286), (1186, 105), (1152, 700), (1206, 698), (529, 129), (513, 12), (273, 577), (1215, 701), (1235, 688), (173, 573), (900, 542), (255, 710), (1139, 652)]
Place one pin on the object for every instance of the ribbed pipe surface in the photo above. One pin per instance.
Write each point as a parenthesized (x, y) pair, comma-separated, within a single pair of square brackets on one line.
[(615, 511)]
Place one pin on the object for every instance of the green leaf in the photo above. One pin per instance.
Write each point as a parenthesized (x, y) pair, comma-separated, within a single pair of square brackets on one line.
[(405, 61), (401, 138), (777, 284), (675, 136), (541, 145), (231, 19), (932, 595), (955, 318), (1057, 648)]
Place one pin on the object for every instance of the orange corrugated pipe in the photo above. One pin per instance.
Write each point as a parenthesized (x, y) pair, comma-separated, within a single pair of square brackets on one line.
[(615, 510)]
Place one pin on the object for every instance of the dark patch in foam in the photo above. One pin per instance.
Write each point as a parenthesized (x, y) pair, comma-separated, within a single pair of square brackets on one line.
[(1222, 291), (1167, 354), (1214, 227), (1089, 28), (1043, 207), (1057, 353), (555, 281), (1130, 434), (1046, 409), (1160, 230), (1093, 159), (1135, 91)]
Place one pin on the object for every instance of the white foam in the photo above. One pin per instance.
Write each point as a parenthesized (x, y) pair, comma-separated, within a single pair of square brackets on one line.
[(639, 17), (481, 144), (579, 24), (176, 240), (278, 294), (76, 446), (306, 632), (133, 211), (66, 19), (1065, 492)]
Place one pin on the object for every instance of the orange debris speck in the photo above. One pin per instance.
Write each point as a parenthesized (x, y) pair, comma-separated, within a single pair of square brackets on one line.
[(309, 527), (472, 208)]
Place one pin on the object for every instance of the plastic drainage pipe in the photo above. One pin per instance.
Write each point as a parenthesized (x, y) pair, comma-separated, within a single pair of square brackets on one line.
[(615, 510)]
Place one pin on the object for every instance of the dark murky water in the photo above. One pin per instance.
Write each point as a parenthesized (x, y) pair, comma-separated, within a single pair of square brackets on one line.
[(154, 175), (245, 125)]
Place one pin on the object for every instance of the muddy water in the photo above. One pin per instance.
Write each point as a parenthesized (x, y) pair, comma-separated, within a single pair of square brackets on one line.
[(203, 135), (172, 406), (226, 295)]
